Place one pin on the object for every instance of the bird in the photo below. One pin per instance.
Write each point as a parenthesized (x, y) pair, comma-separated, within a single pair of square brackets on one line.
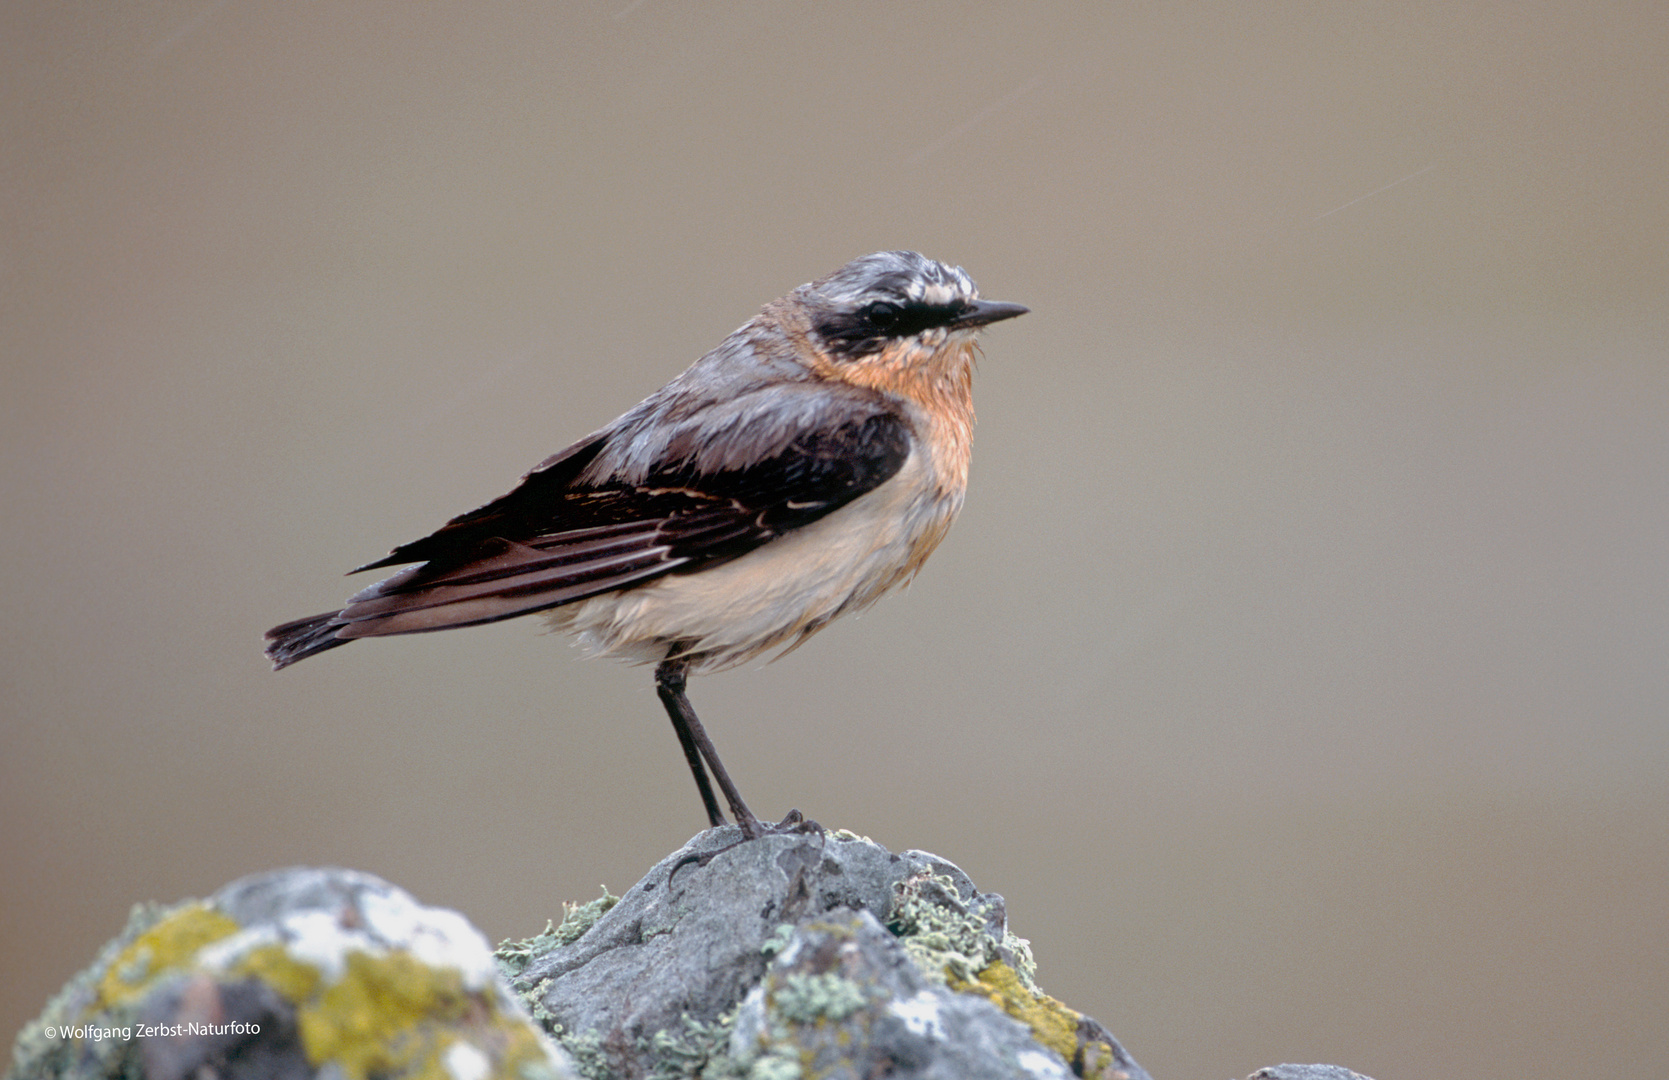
[(803, 468)]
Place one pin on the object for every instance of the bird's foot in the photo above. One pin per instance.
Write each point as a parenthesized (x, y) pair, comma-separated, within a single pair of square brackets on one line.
[(752, 829), (792, 822)]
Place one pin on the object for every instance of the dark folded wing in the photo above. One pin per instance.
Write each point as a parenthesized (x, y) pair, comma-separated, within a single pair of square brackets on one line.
[(516, 513), (556, 539)]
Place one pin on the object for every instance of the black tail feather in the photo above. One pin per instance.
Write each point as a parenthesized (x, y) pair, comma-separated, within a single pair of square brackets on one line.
[(298, 640)]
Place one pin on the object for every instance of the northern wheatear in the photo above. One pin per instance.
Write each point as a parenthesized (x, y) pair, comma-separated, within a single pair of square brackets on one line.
[(800, 470)]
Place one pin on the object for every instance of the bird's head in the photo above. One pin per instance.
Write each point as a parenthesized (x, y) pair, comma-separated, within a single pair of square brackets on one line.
[(895, 317)]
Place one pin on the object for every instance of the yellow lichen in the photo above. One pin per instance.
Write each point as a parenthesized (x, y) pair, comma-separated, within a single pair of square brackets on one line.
[(163, 947), (387, 1016), (393, 1015), (375, 1019), (1053, 1024), (273, 965)]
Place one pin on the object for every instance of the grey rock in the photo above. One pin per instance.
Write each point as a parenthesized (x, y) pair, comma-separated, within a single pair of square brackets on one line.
[(806, 951), (691, 944), (1306, 1072)]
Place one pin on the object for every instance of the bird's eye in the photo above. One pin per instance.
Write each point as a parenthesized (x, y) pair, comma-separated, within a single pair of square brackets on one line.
[(881, 315)]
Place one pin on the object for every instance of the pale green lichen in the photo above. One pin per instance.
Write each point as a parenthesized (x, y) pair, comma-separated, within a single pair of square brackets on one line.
[(952, 945), (779, 1063), (533, 1000), (586, 1048), (700, 1049), (514, 956), (945, 939), (773, 1054), (778, 940), (807, 1022), (805, 998)]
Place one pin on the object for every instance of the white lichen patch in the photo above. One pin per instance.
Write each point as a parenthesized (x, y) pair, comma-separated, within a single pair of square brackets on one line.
[(222, 954), (464, 1061), (319, 938), (437, 937), (380, 923), (1043, 1066), (920, 1013)]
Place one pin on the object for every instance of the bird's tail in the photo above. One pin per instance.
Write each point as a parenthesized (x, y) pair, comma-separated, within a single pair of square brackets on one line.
[(501, 579), (300, 639)]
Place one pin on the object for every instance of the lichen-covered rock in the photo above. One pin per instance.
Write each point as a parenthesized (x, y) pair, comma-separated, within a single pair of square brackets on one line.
[(843, 1001), (803, 955), (793, 957), (294, 975)]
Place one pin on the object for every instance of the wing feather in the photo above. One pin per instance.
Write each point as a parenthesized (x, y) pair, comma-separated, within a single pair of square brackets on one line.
[(560, 537)]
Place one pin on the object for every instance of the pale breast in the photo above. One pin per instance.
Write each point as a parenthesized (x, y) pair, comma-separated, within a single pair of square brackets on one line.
[(781, 592)]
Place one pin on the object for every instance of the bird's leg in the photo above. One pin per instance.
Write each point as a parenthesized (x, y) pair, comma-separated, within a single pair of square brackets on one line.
[(669, 684), (670, 677)]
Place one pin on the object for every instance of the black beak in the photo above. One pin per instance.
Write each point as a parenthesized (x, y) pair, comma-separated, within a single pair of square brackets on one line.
[(983, 312)]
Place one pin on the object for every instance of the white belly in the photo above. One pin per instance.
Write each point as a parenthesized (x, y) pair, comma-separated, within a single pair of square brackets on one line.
[(777, 594)]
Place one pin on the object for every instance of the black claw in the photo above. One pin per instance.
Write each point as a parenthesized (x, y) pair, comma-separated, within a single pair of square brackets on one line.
[(792, 822)]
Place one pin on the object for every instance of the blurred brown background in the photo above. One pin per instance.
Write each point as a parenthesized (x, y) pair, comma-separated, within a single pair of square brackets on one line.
[(1299, 669)]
